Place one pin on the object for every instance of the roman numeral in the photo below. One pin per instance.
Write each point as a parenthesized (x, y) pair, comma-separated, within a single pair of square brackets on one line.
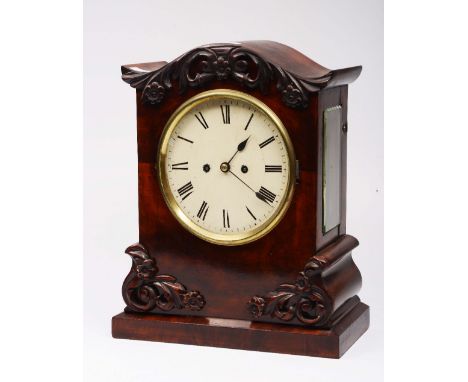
[(226, 219), (185, 190), (250, 212), (201, 119), (267, 195), (202, 211), (248, 122), (226, 112), (184, 139), (180, 166), (267, 142), (273, 168)]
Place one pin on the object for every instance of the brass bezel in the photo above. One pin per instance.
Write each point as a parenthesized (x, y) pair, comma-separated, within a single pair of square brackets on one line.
[(227, 239)]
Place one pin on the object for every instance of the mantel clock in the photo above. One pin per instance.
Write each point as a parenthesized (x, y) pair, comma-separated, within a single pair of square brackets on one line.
[(242, 204)]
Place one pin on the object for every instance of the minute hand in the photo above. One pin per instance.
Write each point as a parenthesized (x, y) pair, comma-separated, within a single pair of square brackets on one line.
[(257, 194)]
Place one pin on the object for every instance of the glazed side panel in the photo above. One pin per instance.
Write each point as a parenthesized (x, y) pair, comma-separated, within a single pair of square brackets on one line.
[(326, 99)]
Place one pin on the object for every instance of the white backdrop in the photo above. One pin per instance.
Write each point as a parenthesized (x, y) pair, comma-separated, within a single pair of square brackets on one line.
[(336, 34)]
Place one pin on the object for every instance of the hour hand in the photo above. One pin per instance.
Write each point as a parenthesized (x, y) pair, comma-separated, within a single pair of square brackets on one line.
[(240, 147)]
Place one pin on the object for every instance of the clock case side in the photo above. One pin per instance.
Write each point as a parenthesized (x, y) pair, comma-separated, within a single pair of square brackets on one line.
[(297, 89), (327, 287), (335, 99)]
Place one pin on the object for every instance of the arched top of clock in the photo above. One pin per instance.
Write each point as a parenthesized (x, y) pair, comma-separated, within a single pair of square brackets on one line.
[(255, 64)]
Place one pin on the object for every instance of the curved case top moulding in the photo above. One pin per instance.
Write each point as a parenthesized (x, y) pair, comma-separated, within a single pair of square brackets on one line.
[(254, 64)]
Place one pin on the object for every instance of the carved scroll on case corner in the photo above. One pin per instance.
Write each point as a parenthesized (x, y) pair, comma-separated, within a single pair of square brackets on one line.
[(315, 299), (144, 290)]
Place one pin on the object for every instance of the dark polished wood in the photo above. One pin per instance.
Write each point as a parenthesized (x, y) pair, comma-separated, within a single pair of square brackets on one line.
[(317, 292), (294, 276), (246, 335), (254, 64), (144, 289)]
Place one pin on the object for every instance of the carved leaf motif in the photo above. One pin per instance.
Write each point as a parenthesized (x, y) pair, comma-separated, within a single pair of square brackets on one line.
[(202, 65), (302, 300), (144, 290), (314, 266)]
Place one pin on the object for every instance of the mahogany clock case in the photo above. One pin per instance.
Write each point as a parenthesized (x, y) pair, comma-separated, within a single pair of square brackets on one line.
[(297, 275)]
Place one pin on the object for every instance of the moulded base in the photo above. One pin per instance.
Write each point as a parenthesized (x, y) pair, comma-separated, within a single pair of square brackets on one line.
[(246, 335)]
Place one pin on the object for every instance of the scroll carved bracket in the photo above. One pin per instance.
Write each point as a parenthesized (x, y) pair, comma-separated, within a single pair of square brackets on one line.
[(312, 298), (145, 290), (200, 66), (303, 300)]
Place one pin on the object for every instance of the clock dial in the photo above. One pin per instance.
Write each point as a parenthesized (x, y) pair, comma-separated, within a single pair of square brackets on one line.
[(225, 167)]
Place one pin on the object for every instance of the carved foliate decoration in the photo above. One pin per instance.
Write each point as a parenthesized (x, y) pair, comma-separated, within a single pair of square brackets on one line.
[(200, 66), (144, 290), (303, 300)]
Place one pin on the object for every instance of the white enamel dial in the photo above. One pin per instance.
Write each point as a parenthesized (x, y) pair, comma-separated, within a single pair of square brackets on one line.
[(226, 167)]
